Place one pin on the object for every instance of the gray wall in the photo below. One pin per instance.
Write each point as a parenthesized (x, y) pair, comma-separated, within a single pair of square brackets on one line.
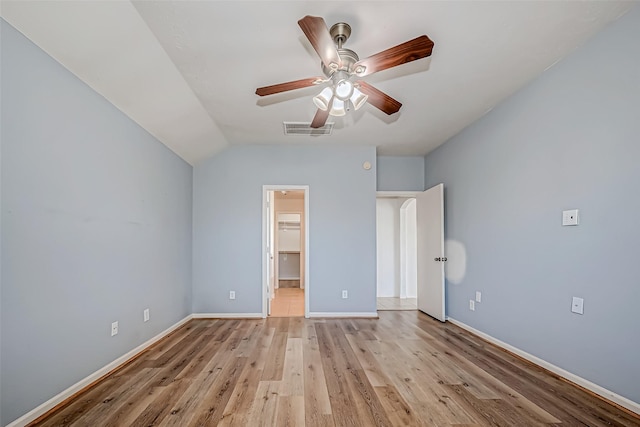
[(400, 173), (568, 140), (227, 225), (96, 226)]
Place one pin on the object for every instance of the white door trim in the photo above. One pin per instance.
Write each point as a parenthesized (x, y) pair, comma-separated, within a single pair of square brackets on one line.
[(265, 279)]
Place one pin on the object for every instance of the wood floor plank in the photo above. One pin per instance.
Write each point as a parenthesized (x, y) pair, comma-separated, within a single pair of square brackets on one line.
[(156, 411), (182, 410), (337, 387), (368, 362), (274, 365), (265, 404), (293, 379), (366, 400), (398, 410), (317, 403), (402, 369), (407, 387), (211, 409), (235, 413), (290, 411)]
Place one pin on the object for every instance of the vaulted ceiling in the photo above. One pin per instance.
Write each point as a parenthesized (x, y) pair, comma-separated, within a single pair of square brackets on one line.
[(187, 71)]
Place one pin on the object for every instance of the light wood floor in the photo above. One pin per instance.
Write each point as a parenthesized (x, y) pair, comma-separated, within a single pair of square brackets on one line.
[(388, 303), (402, 369), (289, 302)]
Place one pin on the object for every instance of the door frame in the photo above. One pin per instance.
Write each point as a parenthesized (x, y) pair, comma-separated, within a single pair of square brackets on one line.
[(265, 278)]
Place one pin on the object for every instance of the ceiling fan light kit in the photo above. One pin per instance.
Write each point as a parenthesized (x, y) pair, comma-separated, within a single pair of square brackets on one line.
[(342, 67)]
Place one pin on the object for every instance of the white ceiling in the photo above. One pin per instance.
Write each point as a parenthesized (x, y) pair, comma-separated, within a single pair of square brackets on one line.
[(187, 71)]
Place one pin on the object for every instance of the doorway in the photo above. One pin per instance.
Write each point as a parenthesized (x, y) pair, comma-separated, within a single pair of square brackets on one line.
[(396, 253), (430, 256), (286, 251)]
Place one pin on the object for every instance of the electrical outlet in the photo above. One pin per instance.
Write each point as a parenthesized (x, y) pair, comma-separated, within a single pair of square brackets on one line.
[(478, 296), (114, 328), (472, 305), (345, 294), (577, 305), (232, 294), (570, 217), (146, 314)]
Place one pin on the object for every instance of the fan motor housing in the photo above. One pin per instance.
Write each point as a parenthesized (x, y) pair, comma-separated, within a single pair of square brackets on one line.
[(340, 33), (348, 57)]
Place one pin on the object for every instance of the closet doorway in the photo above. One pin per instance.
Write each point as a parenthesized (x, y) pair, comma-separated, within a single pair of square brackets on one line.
[(286, 279)]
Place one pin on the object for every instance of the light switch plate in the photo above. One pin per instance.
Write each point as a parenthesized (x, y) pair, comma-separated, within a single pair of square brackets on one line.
[(577, 305), (478, 296), (570, 217)]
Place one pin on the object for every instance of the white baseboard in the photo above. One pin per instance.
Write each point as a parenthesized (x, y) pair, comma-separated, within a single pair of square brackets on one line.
[(62, 396), (372, 314), (595, 388), (227, 315)]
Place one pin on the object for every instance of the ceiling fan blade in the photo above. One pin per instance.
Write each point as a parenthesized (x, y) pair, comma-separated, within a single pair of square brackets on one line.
[(317, 32), (379, 99), (412, 50), (320, 118), (283, 87)]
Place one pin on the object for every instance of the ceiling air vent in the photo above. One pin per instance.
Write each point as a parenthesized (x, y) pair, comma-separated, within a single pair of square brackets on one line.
[(300, 128)]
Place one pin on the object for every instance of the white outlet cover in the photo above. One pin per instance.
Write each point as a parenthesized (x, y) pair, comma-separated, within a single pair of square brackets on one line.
[(570, 217), (114, 328), (232, 294), (345, 294), (472, 305), (146, 315), (478, 296), (577, 305)]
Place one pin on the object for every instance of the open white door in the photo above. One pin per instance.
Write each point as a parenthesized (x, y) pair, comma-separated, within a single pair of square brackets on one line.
[(430, 251), (269, 251)]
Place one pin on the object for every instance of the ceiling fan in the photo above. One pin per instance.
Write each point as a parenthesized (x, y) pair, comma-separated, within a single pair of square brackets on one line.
[(343, 69)]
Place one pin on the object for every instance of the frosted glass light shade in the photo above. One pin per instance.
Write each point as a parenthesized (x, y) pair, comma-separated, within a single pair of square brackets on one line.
[(337, 108), (323, 99), (358, 98), (344, 89)]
